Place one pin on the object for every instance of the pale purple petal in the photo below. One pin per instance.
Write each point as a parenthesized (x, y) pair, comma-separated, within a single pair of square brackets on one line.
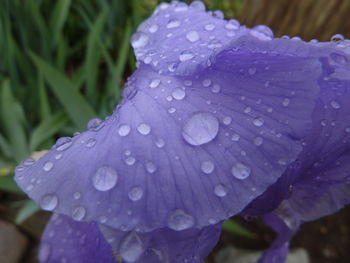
[(65, 240)]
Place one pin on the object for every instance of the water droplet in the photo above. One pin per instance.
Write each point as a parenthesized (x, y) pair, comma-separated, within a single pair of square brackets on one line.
[(186, 55), (227, 120), (102, 219), (153, 29), (198, 5), (154, 83), (47, 166), (151, 167), (124, 130), (144, 129), (130, 160), (207, 167), (105, 178), (90, 142), (240, 171), (139, 39), (220, 190), (188, 82), (235, 137), (232, 24), (335, 104), (28, 162), (200, 128), (209, 27), (192, 36), (248, 110), (49, 202), (262, 32), (171, 110), (78, 213), (131, 247), (172, 67), (179, 220), (173, 24), (63, 143), (258, 141), (252, 71), (258, 122), (95, 124), (44, 252), (206, 83), (286, 102), (135, 193), (160, 143), (178, 94), (337, 37), (216, 88), (77, 195)]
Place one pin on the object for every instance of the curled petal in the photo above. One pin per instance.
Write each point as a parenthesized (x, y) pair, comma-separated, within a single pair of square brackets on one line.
[(65, 240)]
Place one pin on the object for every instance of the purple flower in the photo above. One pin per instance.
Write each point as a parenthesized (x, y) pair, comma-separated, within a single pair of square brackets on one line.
[(217, 120)]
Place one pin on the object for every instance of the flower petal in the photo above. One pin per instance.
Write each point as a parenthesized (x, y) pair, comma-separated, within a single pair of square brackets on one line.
[(204, 145), (163, 245), (65, 240)]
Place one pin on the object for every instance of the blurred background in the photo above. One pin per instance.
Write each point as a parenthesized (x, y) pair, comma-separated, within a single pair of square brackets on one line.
[(64, 62)]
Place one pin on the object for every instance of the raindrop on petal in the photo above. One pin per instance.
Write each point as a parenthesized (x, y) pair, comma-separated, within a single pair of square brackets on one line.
[(124, 130), (207, 167), (135, 193), (44, 252), (144, 129), (105, 178), (78, 213), (192, 36), (47, 166), (131, 247), (220, 190), (49, 202), (139, 39), (179, 220), (240, 171), (258, 122), (178, 94)]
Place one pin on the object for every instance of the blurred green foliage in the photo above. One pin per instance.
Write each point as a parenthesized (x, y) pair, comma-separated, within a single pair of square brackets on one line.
[(62, 63)]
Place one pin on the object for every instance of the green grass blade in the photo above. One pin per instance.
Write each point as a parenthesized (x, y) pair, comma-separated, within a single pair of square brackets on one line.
[(235, 228), (8, 185), (74, 103), (45, 110), (47, 129), (5, 148), (59, 17), (13, 122), (93, 54), (27, 210)]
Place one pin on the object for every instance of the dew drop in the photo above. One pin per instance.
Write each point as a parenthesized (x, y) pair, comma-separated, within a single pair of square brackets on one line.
[(335, 104), (77, 195), (131, 247), (240, 171), (79, 213), (151, 167), (227, 120), (49, 202), (232, 24), (90, 143), (220, 190), (160, 143), (63, 143), (286, 102), (153, 29), (95, 124), (252, 71), (28, 162), (144, 129), (130, 160), (154, 83), (173, 24), (337, 38), (139, 39), (192, 36), (207, 167), (258, 141), (179, 220), (262, 32), (209, 27), (235, 137), (186, 55), (200, 128), (171, 110), (198, 5), (258, 122), (216, 88), (48, 166), (135, 193), (178, 94), (105, 178), (206, 83), (124, 130)]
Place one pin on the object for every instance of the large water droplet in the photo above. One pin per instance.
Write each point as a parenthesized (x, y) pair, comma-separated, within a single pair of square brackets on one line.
[(78, 213), (49, 202), (337, 37), (192, 36), (200, 128), (173, 24), (48, 166), (63, 143), (178, 94), (135, 193), (95, 124), (105, 178), (144, 129), (179, 220), (262, 32), (131, 247), (220, 190), (240, 171), (199, 5), (139, 39), (124, 130), (207, 167)]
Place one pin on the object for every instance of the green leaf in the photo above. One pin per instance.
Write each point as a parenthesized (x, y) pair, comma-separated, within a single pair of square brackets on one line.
[(93, 54), (59, 17), (47, 129), (27, 210), (5, 147), (76, 106), (13, 122), (237, 229), (8, 184)]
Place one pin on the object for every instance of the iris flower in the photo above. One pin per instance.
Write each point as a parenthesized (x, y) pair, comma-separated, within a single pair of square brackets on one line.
[(218, 120)]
